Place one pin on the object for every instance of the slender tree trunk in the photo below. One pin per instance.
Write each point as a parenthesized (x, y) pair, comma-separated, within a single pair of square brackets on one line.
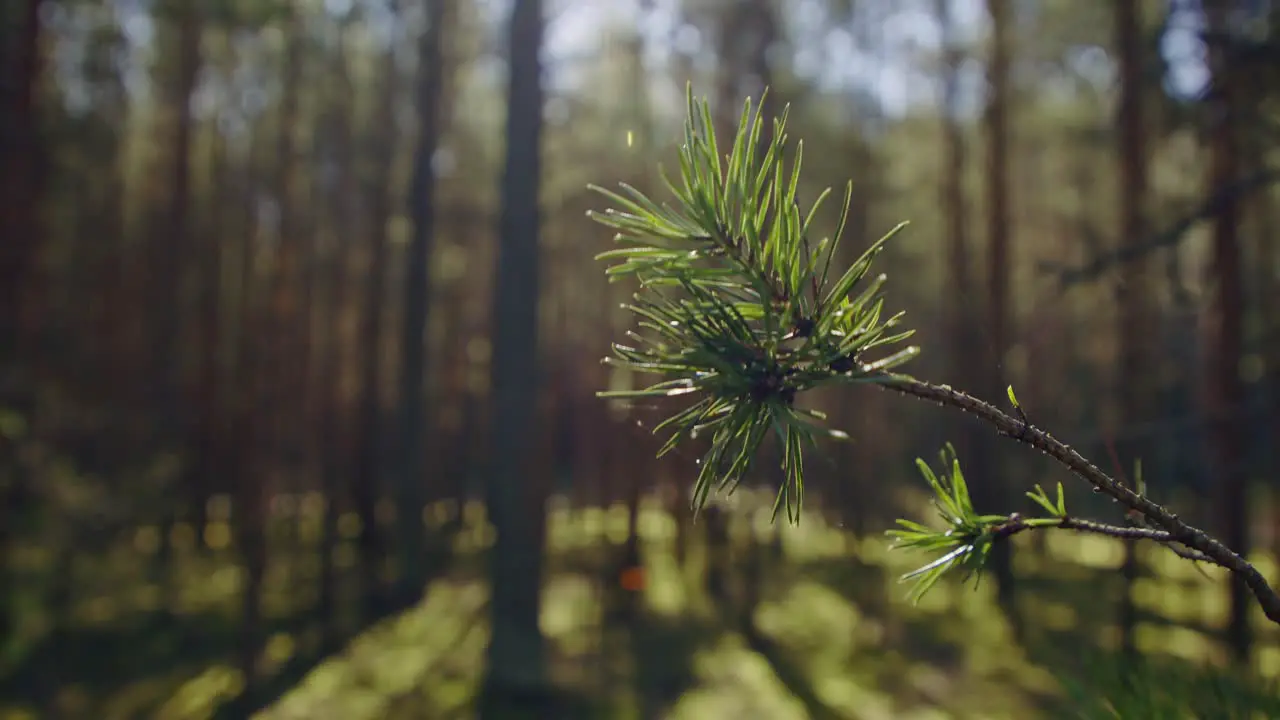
[(1224, 391), (287, 356), (954, 200), (19, 214), (1261, 212), (249, 433), (369, 425), (643, 142), (998, 273), (18, 140), (516, 678), (961, 320), (410, 470), (209, 372), (121, 309), (334, 447), (274, 369), (1268, 259), (171, 249), (1132, 291)]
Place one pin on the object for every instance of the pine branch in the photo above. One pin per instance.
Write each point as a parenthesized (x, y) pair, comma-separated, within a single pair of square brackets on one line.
[(1016, 524), (739, 313), (1157, 515)]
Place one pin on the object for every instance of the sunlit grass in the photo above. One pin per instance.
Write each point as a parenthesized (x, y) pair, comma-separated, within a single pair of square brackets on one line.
[(845, 652), (666, 592), (114, 597), (735, 682), (831, 608), (437, 646)]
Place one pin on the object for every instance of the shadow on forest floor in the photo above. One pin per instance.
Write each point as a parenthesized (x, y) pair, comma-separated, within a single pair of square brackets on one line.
[(74, 663), (954, 651), (164, 666), (811, 653), (831, 638), (122, 659)]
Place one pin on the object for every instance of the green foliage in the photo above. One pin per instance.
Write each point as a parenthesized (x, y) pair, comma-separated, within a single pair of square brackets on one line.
[(737, 309), (1120, 688), (968, 537)]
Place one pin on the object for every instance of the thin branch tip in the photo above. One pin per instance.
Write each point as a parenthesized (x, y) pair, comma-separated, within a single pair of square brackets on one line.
[(1203, 546)]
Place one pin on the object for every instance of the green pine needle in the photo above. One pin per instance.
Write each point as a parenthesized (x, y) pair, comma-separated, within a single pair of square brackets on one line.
[(735, 313)]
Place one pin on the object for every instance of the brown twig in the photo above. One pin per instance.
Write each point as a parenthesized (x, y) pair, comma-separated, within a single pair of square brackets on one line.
[(1155, 514), (1016, 524)]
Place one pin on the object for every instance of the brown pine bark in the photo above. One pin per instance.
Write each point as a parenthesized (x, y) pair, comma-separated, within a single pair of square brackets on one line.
[(332, 296), (207, 442), (954, 201), (1132, 291), (18, 206), (516, 682), (369, 426), (171, 253), (19, 248), (998, 260), (1224, 391), (410, 467), (277, 363)]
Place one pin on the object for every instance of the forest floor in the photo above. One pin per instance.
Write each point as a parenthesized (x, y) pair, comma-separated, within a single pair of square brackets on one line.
[(830, 638), (128, 651)]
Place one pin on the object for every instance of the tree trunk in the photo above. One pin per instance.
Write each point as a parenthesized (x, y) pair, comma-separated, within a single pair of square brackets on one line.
[(368, 454), (285, 349), (410, 470), (341, 199), (208, 395), (954, 201), (1132, 291), (998, 272), (19, 214), (1224, 391), (18, 140), (251, 432), (250, 477), (516, 679), (171, 248)]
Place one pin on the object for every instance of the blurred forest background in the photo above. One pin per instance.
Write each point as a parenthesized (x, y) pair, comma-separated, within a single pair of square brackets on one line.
[(301, 334)]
